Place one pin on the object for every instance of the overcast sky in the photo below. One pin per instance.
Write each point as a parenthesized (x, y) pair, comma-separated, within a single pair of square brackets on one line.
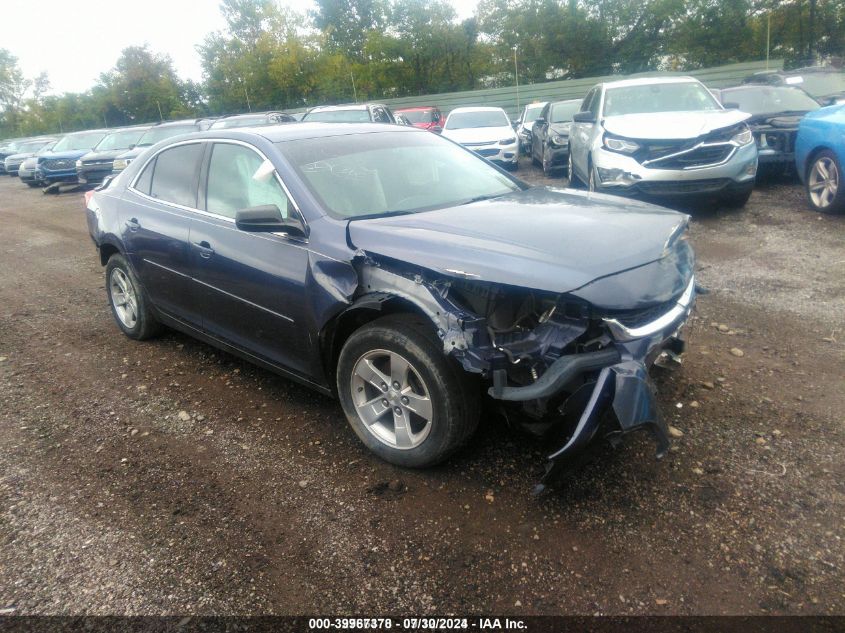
[(75, 41)]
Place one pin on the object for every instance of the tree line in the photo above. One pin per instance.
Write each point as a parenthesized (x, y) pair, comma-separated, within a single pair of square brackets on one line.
[(270, 57)]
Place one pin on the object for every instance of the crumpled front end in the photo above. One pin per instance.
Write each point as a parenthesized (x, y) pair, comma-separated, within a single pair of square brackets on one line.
[(607, 392)]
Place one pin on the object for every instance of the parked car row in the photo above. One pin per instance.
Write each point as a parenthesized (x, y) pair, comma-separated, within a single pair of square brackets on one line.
[(655, 137), (670, 137)]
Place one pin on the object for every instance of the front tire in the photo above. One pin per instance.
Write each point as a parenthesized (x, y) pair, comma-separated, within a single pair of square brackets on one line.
[(405, 399), (573, 178), (825, 189), (593, 180), (129, 305), (547, 163)]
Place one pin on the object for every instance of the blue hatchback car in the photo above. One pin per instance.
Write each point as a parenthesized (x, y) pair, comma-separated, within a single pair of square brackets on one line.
[(819, 156), (405, 275)]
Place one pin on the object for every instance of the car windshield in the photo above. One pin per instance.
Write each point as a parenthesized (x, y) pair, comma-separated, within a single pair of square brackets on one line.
[(477, 118), (156, 134), (248, 121), (533, 111), (119, 140), (658, 97), (31, 146), (338, 116), (819, 84), (75, 142), (388, 173), (563, 112), (770, 99), (418, 116)]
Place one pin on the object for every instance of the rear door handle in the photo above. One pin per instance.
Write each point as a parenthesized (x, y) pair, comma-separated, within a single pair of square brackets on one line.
[(205, 249), (133, 224)]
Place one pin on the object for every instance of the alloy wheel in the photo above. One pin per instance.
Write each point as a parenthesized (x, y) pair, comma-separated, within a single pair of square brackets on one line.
[(123, 298), (823, 182), (391, 399)]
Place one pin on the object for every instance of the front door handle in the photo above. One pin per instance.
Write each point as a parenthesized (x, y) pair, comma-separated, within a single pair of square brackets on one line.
[(133, 224), (205, 249)]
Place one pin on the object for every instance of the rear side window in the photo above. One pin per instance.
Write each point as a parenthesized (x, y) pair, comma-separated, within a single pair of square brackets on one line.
[(174, 176), (232, 186), (146, 178)]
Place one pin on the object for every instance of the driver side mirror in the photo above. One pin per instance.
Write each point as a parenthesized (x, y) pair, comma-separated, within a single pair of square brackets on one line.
[(584, 117), (540, 120), (268, 219)]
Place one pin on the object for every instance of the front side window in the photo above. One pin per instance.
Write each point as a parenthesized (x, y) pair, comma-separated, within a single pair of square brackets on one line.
[(174, 177), (232, 185), (563, 112), (387, 173), (532, 113), (588, 101)]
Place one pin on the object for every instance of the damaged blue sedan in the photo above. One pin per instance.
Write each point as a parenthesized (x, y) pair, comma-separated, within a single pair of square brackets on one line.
[(404, 275)]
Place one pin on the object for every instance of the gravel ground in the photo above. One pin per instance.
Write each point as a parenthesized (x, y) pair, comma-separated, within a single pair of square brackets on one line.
[(169, 478)]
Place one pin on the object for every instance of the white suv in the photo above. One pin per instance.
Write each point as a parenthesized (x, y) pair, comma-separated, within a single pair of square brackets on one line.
[(664, 137)]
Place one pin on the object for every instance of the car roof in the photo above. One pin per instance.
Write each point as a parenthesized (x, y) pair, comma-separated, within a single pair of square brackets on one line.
[(98, 130), (306, 130), (345, 106), (649, 81), (476, 109)]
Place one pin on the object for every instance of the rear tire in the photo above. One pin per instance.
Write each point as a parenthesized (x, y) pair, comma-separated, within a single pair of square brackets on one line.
[(431, 413), (824, 183), (129, 305)]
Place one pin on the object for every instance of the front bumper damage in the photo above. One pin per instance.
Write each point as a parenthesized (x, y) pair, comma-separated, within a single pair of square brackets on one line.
[(622, 386), (568, 379)]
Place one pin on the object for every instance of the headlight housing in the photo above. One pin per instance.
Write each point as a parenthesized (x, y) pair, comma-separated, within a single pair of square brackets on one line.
[(121, 163), (558, 139), (621, 145), (743, 137), (79, 164), (508, 141)]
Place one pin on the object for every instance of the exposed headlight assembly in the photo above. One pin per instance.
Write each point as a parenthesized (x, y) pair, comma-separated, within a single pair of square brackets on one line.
[(121, 163), (743, 137), (507, 141), (621, 145)]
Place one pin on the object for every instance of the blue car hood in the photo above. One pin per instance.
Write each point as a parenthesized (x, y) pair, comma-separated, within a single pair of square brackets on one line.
[(72, 154), (540, 238)]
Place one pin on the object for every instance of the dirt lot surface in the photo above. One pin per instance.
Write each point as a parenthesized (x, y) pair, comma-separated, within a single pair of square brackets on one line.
[(168, 477)]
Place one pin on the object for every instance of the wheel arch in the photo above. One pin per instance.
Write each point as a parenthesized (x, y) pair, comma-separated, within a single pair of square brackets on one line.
[(107, 248), (811, 156), (364, 309)]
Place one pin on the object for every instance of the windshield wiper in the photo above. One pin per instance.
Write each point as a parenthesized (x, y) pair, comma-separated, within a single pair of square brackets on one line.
[(488, 196)]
